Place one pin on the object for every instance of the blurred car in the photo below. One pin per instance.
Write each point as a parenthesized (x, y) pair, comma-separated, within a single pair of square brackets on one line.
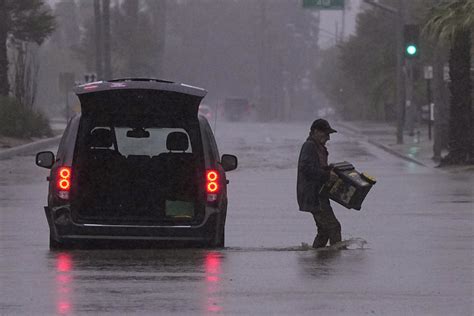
[(137, 164), (326, 112), (206, 111)]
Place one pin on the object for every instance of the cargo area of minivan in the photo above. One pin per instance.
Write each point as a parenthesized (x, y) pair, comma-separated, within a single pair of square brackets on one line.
[(137, 175)]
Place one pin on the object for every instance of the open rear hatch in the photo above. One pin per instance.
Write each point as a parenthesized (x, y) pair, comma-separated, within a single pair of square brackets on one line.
[(127, 169), (140, 98)]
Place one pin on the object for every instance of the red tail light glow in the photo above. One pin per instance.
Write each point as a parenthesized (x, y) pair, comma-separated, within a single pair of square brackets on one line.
[(211, 175), (212, 185), (65, 172), (64, 182)]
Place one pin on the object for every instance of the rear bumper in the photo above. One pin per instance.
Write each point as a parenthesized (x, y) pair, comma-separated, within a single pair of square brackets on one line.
[(63, 228)]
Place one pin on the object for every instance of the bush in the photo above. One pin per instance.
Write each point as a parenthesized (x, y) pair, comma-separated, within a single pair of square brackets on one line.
[(18, 121)]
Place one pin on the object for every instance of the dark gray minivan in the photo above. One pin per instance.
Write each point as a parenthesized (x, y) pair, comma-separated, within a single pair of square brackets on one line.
[(138, 163)]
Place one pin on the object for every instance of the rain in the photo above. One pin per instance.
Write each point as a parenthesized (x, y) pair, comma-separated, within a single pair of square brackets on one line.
[(159, 81)]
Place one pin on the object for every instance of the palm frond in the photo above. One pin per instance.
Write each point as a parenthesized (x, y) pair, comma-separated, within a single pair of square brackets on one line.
[(448, 17)]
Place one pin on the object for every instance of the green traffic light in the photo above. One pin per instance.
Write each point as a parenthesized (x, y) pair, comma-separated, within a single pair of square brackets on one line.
[(411, 50)]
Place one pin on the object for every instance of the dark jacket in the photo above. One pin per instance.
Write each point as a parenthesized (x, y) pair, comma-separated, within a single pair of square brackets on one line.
[(311, 176)]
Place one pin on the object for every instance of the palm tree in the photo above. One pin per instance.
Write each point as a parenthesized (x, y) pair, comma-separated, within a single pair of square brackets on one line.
[(453, 21)]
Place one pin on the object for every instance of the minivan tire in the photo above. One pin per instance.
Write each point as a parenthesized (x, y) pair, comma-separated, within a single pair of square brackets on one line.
[(219, 237), (221, 242), (56, 245)]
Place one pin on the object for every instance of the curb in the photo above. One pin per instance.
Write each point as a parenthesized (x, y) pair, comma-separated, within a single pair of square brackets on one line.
[(394, 152), (380, 145), (29, 148)]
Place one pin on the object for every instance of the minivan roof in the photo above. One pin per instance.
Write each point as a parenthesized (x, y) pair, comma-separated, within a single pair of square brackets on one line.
[(140, 83)]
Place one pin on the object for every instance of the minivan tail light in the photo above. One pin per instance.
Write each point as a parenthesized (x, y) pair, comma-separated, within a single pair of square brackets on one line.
[(212, 185), (63, 182)]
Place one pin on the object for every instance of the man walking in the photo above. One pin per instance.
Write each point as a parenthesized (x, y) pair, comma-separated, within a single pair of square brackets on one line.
[(313, 173)]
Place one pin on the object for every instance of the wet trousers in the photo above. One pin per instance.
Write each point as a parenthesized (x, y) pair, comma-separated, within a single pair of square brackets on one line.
[(327, 225)]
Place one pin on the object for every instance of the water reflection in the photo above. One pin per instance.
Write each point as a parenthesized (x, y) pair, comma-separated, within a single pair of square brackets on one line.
[(145, 280), (319, 264), (64, 280), (326, 264), (212, 266)]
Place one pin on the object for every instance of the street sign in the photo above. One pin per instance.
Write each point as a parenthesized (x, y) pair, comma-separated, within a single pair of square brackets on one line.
[(446, 75), (324, 4), (428, 71)]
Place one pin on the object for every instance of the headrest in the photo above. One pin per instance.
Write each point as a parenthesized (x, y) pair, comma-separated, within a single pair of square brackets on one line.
[(177, 141), (101, 137)]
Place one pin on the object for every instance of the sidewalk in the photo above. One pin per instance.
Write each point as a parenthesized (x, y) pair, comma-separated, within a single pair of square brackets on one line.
[(11, 147), (417, 148)]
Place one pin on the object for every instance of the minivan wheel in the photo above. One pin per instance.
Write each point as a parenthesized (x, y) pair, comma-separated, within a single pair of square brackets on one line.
[(221, 242), (219, 238), (56, 245)]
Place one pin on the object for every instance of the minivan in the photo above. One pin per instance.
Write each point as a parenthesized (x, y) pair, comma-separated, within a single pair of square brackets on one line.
[(137, 164)]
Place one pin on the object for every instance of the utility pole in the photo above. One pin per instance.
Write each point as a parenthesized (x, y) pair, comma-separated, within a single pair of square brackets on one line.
[(409, 105), (343, 22), (265, 112), (98, 39), (106, 30), (428, 77)]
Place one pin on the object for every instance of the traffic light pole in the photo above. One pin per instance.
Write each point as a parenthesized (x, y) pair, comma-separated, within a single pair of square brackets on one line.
[(410, 110), (430, 104)]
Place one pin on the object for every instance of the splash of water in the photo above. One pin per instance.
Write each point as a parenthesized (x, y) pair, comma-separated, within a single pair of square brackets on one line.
[(352, 243)]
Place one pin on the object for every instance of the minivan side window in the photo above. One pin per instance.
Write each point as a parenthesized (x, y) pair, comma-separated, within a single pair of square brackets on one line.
[(68, 138), (212, 152)]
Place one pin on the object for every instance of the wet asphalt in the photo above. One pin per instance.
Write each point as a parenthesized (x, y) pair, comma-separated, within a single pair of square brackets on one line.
[(417, 222)]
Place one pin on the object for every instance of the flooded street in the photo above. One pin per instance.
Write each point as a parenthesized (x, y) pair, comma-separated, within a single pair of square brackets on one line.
[(417, 222)]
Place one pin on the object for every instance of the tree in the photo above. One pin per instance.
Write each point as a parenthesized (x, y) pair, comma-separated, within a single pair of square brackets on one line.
[(453, 21), (25, 79), (358, 75), (26, 20), (124, 27)]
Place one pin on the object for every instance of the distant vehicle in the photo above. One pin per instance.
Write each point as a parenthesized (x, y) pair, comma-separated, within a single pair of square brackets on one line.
[(326, 112), (236, 108), (206, 111), (137, 164)]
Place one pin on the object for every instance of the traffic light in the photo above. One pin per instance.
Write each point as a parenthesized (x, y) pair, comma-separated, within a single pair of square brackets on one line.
[(411, 35)]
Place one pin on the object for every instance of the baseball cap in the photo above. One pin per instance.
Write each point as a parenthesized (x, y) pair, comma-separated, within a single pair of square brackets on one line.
[(322, 125)]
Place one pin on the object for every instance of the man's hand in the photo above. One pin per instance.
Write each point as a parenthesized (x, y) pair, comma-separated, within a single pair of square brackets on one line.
[(332, 177)]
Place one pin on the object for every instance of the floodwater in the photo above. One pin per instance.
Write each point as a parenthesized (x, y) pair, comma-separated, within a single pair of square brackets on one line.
[(410, 247)]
